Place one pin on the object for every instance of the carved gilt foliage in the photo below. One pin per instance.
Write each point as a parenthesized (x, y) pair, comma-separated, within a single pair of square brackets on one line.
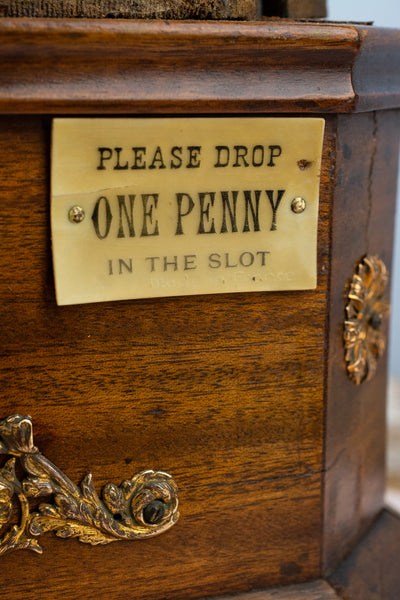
[(141, 507)]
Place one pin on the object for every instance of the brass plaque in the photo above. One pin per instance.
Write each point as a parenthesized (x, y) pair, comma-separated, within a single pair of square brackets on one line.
[(147, 207)]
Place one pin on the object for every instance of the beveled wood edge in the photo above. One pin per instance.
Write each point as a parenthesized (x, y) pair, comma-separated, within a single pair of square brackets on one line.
[(372, 567), (89, 66), (316, 590)]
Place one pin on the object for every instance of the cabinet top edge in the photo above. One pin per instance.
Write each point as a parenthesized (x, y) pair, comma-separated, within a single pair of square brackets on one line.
[(51, 66)]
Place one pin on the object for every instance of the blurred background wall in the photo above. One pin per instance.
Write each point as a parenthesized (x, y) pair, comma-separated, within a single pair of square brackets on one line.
[(385, 13)]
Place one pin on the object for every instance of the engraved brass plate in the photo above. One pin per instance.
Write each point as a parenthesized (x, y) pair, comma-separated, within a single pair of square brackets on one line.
[(149, 207)]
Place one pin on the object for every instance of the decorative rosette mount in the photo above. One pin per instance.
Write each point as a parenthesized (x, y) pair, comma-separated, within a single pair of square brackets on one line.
[(367, 306)]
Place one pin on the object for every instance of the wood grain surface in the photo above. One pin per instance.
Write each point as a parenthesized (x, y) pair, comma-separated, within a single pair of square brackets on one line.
[(317, 590), (110, 66), (126, 9), (223, 392), (363, 207)]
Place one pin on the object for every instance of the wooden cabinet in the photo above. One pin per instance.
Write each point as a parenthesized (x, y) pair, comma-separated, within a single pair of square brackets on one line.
[(243, 398)]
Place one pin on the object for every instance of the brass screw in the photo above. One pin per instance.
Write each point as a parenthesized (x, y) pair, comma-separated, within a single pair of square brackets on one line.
[(76, 214), (154, 512), (303, 164), (298, 205)]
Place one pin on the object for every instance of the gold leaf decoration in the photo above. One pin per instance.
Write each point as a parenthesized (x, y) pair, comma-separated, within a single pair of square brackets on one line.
[(365, 311), (141, 507), (6, 494)]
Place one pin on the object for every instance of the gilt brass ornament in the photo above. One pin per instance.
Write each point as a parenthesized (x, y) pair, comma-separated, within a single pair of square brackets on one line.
[(365, 311), (141, 507)]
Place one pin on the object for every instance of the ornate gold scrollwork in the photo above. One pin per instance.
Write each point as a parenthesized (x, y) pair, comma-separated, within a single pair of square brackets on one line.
[(364, 341), (141, 507)]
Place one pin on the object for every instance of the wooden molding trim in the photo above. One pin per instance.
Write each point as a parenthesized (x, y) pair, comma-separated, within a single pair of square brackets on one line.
[(133, 67)]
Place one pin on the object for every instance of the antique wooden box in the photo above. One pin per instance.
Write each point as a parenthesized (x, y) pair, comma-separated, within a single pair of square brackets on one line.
[(265, 408)]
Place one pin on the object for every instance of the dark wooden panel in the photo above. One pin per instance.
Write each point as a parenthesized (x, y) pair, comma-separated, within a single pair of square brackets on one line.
[(366, 176), (224, 392), (372, 572), (300, 9), (294, 9)]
